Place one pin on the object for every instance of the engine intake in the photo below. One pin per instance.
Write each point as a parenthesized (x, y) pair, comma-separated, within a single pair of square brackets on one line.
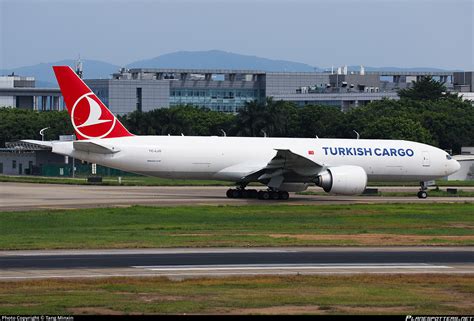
[(344, 180)]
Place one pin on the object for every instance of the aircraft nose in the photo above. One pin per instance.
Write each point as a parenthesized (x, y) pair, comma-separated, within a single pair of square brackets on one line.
[(455, 165)]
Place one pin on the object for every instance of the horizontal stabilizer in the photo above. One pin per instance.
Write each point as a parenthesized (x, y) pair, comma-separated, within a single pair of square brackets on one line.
[(47, 144), (93, 147)]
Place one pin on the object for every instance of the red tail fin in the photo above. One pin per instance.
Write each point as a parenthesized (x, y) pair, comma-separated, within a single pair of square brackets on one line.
[(89, 116)]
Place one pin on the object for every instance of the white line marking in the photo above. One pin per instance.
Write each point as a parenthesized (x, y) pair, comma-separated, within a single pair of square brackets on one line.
[(290, 267), (197, 274)]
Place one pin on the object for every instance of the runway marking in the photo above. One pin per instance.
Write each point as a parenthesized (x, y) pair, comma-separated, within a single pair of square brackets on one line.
[(198, 274), (290, 267), (53, 207)]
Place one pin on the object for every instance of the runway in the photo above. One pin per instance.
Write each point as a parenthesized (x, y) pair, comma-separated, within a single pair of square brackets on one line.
[(24, 196), (182, 263)]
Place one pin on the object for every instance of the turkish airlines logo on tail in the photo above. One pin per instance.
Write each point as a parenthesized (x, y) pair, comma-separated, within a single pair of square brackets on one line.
[(90, 118)]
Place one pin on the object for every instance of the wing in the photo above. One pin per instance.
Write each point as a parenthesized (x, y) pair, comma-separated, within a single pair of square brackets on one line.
[(285, 166)]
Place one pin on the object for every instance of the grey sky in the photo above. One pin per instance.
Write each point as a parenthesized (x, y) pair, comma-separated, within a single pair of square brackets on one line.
[(408, 33)]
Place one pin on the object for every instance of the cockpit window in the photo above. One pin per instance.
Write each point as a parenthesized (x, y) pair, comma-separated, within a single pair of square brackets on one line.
[(448, 157)]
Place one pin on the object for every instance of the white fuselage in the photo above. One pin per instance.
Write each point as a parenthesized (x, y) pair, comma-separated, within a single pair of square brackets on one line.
[(230, 158)]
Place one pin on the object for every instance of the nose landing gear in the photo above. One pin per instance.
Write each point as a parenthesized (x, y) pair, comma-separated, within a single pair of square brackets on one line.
[(423, 190), (422, 194)]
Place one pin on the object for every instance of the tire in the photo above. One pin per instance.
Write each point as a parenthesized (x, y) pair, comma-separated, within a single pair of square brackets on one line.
[(245, 193), (253, 193), (275, 195), (229, 193), (265, 195), (283, 195), (236, 193), (422, 194), (260, 195)]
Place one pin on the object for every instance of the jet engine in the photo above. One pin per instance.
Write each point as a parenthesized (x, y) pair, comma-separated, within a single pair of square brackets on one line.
[(344, 180)]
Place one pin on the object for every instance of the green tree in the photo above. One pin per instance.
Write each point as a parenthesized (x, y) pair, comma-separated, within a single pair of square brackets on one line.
[(397, 127), (17, 124), (425, 89), (451, 122), (177, 120), (251, 119), (323, 121), (274, 118)]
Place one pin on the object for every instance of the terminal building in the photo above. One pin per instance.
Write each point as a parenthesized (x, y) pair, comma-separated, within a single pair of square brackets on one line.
[(224, 90), (228, 90)]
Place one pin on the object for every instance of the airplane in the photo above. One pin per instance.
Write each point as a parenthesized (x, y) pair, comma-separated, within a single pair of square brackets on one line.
[(339, 166)]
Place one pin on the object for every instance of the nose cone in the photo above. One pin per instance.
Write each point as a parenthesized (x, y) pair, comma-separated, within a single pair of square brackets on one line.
[(455, 166)]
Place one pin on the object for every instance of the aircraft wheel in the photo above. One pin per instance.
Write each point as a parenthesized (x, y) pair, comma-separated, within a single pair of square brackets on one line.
[(265, 195), (253, 193), (274, 195), (245, 193), (422, 194), (284, 195), (229, 193), (236, 193)]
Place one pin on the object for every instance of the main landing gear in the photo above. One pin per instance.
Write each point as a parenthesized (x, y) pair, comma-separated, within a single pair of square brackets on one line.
[(262, 195), (423, 190)]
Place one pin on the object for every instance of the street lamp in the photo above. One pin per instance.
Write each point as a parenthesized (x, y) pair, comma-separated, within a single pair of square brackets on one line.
[(42, 133)]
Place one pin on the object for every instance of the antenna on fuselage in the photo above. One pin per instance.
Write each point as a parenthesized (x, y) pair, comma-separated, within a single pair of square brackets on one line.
[(358, 136), (317, 137), (264, 133), (223, 132)]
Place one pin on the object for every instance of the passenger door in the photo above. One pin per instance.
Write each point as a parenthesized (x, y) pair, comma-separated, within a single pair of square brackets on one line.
[(426, 159)]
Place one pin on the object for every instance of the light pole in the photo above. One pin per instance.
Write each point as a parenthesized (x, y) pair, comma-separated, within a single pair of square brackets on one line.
[(42, 133)]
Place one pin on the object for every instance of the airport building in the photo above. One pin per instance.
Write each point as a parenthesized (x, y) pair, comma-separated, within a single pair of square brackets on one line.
[(21, 92), (21, 158), (228, 90), (463, 84), (145, 89)]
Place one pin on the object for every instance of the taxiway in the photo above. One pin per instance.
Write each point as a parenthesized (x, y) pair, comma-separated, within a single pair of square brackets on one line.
[(24, 196)]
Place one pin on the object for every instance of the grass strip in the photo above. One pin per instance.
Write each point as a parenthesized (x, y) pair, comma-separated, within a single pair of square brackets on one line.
[(240, 226), (359, 294)]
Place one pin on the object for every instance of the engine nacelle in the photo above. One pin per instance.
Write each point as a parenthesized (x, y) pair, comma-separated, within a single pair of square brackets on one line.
[(293, 187), (345, 180)]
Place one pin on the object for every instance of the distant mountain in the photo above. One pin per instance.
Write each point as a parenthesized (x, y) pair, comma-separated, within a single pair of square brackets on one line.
[(217, 59), (212, 59), (44, 75)]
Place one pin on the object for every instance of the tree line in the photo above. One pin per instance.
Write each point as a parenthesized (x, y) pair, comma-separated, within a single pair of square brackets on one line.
[(424, 113)]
